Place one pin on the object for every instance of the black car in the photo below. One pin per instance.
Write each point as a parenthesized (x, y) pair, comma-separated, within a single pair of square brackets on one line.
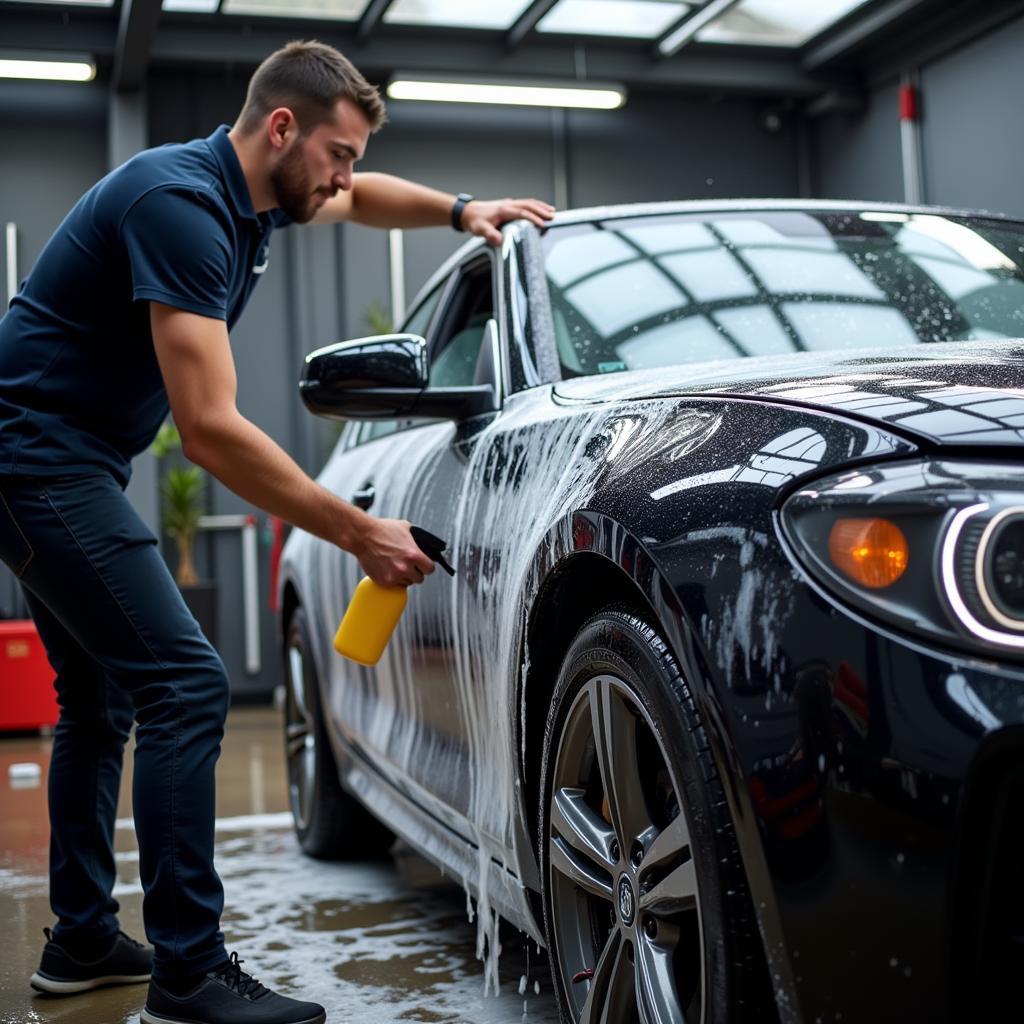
[(724, 705)]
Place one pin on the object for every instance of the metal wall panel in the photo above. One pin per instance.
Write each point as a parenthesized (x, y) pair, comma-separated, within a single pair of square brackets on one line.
[(857, 156), (973, 146)]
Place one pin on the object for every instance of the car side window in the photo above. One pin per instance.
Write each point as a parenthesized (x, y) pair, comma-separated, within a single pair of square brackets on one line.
[(417, 323), (460, 332), (420, 319)]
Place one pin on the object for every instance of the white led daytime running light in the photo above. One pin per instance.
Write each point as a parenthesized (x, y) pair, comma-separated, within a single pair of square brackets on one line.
[(963, 613)]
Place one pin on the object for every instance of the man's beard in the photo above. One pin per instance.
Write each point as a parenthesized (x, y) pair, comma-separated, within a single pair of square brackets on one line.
[(291, 188)]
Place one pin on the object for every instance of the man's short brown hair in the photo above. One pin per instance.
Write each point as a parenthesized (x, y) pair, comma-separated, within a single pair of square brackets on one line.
[(308, 78)]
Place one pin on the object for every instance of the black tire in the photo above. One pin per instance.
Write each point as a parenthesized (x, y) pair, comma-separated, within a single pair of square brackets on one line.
[(329, 822), (666, 926)]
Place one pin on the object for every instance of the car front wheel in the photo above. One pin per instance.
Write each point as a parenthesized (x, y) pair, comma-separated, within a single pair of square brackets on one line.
[(646, 910)]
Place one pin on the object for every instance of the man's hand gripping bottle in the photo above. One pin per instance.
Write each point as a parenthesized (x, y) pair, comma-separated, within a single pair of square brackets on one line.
[(374, 611)]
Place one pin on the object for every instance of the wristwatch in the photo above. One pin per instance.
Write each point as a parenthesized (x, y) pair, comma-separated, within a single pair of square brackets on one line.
[(460, 204)]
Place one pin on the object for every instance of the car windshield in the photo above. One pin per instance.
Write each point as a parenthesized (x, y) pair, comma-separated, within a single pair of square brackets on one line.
[(653, 291)]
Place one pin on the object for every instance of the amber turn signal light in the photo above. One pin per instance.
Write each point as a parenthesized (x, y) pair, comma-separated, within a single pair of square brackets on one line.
[(872, 552)]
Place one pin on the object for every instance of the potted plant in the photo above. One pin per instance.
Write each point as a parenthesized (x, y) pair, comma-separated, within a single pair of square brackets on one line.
[(183, 493), (379, 318)]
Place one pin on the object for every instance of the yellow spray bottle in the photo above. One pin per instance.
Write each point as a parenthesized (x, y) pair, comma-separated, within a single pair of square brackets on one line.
[(374, 611)]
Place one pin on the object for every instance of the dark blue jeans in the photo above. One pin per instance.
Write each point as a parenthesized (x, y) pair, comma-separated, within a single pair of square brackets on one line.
[(123, 645)]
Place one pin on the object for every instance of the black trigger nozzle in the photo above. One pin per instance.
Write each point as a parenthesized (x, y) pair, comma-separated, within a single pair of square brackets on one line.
[(432, 546)]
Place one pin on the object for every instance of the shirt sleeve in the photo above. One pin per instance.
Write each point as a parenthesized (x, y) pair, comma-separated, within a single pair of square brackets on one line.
[(179, 250)]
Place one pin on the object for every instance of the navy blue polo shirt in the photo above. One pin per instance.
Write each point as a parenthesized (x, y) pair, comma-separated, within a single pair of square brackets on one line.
[(80, 387)]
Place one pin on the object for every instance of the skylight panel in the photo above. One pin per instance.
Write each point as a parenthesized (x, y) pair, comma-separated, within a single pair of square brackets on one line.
[(776, 22), (328, 10), (496, 14), (636, 19)]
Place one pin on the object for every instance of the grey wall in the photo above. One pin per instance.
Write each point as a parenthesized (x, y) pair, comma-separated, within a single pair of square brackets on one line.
[(675, 147), (972, 143), (857, 156), (47, 163)]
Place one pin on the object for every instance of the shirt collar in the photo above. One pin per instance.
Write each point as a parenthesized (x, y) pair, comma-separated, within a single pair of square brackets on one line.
[(234, 178)]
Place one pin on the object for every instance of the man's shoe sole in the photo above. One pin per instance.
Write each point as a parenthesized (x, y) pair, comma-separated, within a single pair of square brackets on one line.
[(55, 987), (148, 1017)]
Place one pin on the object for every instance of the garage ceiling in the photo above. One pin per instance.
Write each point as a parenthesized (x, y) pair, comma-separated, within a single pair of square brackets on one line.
[(757, 22), (797, 50)]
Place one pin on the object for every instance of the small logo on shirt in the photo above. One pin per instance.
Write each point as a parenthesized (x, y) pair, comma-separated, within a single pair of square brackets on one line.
[(262, 260)]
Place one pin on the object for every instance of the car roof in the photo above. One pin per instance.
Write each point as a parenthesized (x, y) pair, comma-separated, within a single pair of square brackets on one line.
[(612, 212)]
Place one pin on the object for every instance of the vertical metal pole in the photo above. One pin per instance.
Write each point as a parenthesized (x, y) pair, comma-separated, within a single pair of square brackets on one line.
[(127, 126), (250, 584), (910, 134), (560, 154), (11, 234), (396, 257)]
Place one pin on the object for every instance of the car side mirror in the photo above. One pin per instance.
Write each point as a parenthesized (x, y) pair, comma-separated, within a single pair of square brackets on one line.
[(387, 377), (375, 378)]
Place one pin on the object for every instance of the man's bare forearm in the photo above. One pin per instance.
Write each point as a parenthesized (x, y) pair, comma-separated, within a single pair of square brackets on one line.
[(248, 462), (385, 201), (199, 373)]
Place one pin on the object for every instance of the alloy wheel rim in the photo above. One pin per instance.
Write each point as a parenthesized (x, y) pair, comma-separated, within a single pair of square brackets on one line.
[(300, 739), (626, 914)]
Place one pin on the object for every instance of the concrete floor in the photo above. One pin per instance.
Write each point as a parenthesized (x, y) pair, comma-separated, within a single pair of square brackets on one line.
[(375, 943)]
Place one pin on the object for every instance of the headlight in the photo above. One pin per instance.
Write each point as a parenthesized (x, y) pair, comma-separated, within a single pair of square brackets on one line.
[(934, 547), (983, 571), (1002, 559)]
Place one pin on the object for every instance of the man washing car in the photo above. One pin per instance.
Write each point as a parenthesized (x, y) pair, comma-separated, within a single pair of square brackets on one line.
[(125, 315)]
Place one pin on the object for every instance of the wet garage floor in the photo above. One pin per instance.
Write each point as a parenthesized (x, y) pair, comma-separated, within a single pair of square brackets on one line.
[(375, 943)]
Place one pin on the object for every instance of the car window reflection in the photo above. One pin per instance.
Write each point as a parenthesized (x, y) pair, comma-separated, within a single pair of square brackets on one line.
[(632, 294)]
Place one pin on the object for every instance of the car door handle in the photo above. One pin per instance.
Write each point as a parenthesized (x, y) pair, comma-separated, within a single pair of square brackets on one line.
[(364, 498)]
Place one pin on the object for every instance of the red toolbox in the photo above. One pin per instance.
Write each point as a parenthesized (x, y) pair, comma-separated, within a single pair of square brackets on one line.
[(27, 698)]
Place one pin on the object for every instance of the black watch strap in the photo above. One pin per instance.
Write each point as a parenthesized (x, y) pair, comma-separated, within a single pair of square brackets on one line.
[(460, 204)]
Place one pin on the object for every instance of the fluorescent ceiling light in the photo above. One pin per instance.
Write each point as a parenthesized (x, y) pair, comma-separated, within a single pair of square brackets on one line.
[(495, 14), (592, 97), (191, 6), (637, 19), (79, 3), (328, 10), (77, 70), (776, 22)]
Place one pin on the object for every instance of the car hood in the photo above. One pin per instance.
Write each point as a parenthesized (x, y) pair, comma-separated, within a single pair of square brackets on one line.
[(958, 393)]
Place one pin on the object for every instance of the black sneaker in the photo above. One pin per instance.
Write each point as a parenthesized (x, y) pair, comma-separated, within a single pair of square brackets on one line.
[(227, 995), (60, 974)]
